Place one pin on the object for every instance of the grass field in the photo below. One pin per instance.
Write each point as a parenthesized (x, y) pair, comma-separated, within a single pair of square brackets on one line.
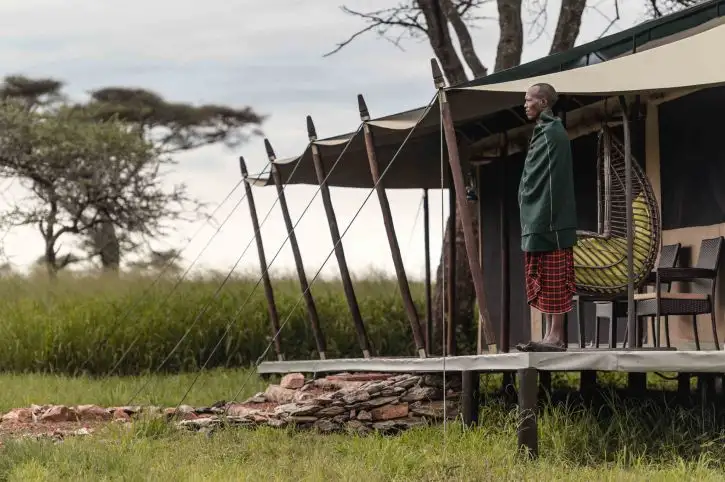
[(636, 443), (87, 325)]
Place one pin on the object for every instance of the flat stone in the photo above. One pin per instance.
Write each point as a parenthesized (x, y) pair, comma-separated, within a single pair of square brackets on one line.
[(292, 381), (303, 396), (375, 387), (356, 397), (59, 413), (331, 411), (121, 415), (258, 398), (88, 413), (341, 418), (416, 394), (377, 402), (301, 419), (327, 384), (388, 412), (408, 382), (277, 394), (389, 392), (365, 416), (238, 410), (20, 415), (302, 410)]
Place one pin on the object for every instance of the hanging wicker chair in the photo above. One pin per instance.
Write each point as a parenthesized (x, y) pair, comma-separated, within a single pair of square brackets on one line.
[(600, 259)]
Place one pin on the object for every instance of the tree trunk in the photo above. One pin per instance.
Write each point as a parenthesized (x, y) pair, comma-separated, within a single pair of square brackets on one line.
[(106, 244), (468, 51), (51, 263), (440, 40), (511, 39), (567, 28)]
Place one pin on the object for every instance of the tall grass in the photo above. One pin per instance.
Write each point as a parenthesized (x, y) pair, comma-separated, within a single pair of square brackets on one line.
[(87, 323)]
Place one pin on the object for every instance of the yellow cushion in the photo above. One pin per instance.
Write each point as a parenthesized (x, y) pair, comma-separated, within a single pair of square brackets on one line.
[(600, 265)]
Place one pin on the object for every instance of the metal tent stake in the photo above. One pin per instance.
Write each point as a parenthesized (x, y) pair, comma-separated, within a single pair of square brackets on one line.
[(335, 234), (390, 230), (268, 292), (304, 285), (466, 218)]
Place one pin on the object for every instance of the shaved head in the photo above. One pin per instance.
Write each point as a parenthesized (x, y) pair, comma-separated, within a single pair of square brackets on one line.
[(539, 97), (547, 92)]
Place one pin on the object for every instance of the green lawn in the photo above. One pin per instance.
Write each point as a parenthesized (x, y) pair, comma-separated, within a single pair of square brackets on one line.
[(637, 443)]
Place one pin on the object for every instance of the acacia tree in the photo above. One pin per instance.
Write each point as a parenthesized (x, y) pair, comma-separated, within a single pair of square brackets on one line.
[(171, 126), (80, 173), (442, 22)]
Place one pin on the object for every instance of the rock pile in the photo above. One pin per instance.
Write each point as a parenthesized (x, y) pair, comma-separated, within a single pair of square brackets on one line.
[(358, 403), (347, 402)]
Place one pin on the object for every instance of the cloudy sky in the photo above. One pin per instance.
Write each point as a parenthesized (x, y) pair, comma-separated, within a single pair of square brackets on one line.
[(267, 54)]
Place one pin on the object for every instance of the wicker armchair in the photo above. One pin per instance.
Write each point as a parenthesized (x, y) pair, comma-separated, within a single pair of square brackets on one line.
[(610, 311), (699, 301)]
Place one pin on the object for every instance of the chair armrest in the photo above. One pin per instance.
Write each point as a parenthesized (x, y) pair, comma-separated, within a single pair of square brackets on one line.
[(667, 275)]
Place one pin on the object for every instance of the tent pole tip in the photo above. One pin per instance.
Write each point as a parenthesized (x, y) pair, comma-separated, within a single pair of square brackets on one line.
[(438, 79), (363, 108), (311, 131), (243, 167), (270, 151)]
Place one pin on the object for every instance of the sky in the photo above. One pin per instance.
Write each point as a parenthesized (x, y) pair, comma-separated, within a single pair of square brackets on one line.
[(268, 54)]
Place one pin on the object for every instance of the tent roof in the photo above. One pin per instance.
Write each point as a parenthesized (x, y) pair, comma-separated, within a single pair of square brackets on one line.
[(681, 60)]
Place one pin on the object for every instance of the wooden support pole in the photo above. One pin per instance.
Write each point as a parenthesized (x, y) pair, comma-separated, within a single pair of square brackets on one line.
[(470, 393), (450, 334), (390, 230), (528, 436), (505, 327), (466, 218), (304, 285), (479, 215), (428, 284), (268, 292), (337, 243), (632, 328)]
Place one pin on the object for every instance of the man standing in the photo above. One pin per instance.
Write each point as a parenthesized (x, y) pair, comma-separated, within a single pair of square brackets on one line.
[(548, 218)]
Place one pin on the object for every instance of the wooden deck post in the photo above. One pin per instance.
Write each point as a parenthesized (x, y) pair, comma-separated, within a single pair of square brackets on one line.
[(304, 285), (337, 243), (268, 292), (470, 393), (528, 436), (466, 219), (390, 230)]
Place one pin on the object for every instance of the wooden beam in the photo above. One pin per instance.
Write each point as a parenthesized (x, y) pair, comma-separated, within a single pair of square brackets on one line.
[(337, 242), (390, 230), (268, 292), (304, 285)]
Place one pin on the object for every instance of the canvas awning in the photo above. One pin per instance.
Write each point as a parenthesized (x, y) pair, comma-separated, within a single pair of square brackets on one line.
[(690, 60)]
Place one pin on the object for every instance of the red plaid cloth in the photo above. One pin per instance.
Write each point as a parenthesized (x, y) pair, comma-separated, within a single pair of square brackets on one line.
[(550, 280)]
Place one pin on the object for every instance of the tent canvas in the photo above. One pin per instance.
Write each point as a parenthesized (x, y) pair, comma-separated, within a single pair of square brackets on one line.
[(685, 63)]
